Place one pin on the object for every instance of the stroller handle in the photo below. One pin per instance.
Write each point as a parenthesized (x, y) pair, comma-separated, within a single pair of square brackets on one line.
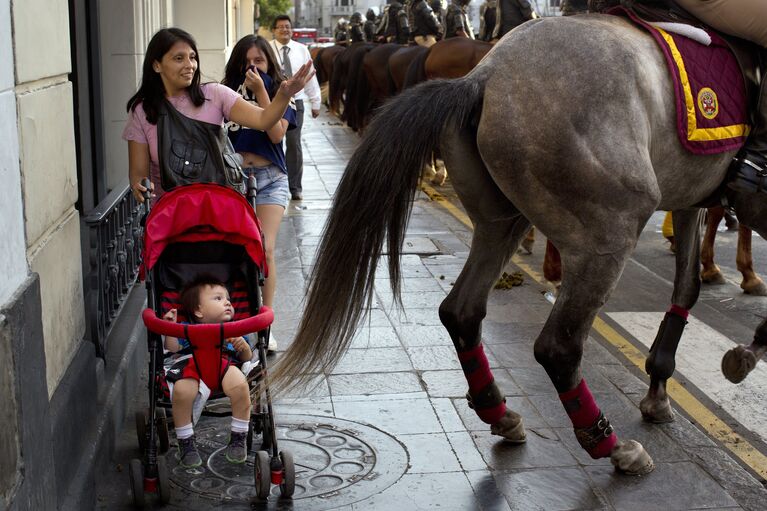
[(249, 325)]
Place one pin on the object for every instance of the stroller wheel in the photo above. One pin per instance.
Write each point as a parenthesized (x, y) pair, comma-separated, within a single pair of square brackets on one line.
[(263, 475), (163, 480), (162, 430), (141, 431), (288, 485), (136, 473)]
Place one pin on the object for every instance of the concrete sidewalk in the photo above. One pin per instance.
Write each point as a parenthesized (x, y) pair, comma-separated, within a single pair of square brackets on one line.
[(390, 428)]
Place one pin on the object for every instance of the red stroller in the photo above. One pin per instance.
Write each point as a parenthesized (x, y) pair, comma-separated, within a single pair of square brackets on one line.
[(213, 229)]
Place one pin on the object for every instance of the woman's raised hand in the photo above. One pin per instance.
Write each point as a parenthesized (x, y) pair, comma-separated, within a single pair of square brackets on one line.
[(298, 81)]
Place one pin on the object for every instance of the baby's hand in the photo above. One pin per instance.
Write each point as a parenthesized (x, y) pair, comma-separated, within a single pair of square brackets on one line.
[(239, 344), (171, 315)]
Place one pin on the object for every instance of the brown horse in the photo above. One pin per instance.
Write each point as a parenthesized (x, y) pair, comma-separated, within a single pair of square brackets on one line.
[(399, 62), (340, 76), (449, 58), (373, 82), (324, 62)]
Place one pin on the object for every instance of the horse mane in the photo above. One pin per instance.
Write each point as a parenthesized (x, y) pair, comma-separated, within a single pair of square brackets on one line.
[(416, 72)]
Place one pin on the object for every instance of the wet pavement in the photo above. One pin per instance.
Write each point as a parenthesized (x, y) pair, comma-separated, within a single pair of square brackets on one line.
[(390, 428)]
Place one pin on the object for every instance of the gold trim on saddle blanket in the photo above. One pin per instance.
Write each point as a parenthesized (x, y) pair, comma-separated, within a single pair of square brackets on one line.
[(693, 132)]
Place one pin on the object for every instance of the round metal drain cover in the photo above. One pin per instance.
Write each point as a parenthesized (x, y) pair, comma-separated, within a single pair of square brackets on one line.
[(338, 462)]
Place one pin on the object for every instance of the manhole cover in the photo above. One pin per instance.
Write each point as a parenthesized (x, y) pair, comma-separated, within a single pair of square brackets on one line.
[(338, 462)]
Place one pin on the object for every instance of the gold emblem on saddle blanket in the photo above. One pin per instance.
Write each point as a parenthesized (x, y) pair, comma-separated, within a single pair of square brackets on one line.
[(708, 103)]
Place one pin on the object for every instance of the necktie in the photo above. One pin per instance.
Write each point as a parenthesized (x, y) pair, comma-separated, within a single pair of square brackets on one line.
[(287, 70)]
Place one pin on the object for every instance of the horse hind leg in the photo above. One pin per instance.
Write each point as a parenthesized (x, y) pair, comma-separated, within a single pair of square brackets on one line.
[(499, 227), (660, 364), (559, 347), (462, 313)]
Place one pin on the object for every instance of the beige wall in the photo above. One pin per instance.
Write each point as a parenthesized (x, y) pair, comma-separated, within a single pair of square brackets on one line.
[(13, 259), (48, 174), (125, 26), (206, 20)]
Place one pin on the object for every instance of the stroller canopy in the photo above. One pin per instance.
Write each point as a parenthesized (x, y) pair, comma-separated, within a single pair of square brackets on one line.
[(202, 212)]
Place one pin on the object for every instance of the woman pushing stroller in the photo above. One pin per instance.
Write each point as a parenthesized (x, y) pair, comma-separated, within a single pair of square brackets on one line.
[(170, 92)]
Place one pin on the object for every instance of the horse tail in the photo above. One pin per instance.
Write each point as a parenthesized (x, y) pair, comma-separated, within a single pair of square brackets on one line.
[(416, 71), (355, 74), (372, 205), (321, 78), (336, 84)]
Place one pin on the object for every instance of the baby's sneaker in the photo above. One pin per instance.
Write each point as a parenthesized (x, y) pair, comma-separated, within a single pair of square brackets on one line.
[(237, 451), (187, 453)]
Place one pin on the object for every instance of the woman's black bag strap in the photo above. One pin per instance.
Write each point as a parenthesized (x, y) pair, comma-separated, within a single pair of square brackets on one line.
[(192, 151)]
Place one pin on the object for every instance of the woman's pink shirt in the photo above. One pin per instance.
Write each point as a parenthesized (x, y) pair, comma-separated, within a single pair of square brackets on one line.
[(219, 100)]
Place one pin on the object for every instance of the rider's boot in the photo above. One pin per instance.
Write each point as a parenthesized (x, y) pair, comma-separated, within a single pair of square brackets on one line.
[(751, 162)]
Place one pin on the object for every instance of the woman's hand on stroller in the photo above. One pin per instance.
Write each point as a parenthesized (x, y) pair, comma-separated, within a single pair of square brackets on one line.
[(298, 81), (140, 190)]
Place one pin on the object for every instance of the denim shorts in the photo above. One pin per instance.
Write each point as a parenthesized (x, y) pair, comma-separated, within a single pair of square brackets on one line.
[(272, 185)]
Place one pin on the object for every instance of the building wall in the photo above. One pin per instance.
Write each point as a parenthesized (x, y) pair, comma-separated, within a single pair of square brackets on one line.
[(13, 258), (209, 22), (49, 174), (125, 26)]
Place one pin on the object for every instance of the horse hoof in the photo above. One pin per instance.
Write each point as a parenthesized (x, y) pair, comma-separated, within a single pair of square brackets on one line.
[(631, 458), (510, 427), (657, 411), (737, 363), (527, 245), (439, 179), (715, 278), (755, 288)]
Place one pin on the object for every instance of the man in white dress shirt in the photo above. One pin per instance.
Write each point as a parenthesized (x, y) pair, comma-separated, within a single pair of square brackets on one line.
[(291, 55)]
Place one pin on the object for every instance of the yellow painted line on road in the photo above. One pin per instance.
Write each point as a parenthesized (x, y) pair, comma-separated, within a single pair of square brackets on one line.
[(704, 417)]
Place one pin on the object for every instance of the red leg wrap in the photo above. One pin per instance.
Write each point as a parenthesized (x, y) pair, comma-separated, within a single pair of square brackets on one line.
[(679, 311), (476, 368), (598, 439)]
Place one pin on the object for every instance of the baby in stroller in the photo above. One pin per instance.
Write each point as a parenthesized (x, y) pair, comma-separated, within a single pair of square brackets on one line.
[(206, 300)]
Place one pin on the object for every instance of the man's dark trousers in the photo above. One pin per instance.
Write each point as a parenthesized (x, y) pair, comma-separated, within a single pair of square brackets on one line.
[(294, 155)]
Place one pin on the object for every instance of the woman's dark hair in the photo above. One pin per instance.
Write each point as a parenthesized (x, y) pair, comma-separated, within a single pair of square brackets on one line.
[(236, 66), (152, 91)]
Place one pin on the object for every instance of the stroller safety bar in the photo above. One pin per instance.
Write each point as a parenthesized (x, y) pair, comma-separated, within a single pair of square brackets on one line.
[(250, 325)]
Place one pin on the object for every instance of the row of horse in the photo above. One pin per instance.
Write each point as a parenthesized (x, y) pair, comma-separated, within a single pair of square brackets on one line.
[(363, 76)]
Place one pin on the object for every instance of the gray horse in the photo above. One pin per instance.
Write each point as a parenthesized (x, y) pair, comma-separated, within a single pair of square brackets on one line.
[(588, 166)]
